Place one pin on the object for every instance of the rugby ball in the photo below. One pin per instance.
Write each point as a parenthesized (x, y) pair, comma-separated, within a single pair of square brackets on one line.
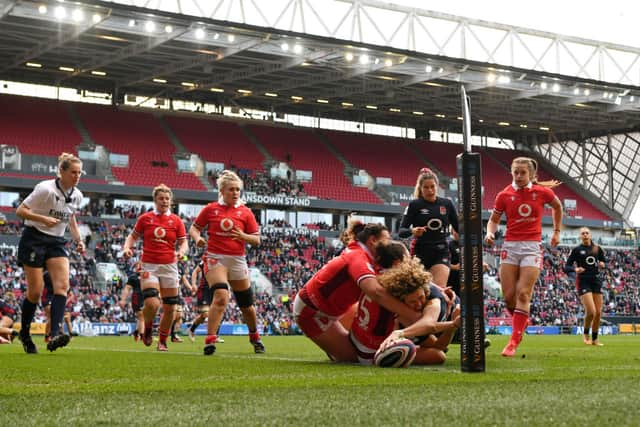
[(399, 354)]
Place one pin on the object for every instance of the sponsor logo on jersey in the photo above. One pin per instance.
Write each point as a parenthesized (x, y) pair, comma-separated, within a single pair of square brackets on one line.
[(159, 233), (525, 210), (226, 224)]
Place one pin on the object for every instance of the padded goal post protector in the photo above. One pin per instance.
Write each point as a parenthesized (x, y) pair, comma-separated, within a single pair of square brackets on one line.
[(472, 354)]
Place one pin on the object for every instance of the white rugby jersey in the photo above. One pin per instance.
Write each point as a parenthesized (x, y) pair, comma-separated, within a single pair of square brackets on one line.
[(50, 200)]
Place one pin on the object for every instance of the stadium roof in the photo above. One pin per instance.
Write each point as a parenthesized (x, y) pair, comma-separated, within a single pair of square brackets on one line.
[(126, 48), (336, 59)]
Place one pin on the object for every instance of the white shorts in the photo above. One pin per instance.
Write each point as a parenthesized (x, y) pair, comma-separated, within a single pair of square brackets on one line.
[(166, 275), (310, 321), (236, 265), (522, 254)]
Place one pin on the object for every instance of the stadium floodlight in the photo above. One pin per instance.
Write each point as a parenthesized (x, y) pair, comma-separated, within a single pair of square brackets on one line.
[(60, 12), (459, 117), (348, 56), (555, 87), (491, 77), (271, 94), (428, 68), (505, 80), (168, 29), (98, 73), (188, 84), (618, 100), (346, 104), (441, 70), (149, 26), (364, 59), (543, 85), (524, 126), (96, 18), (322, 101), (371, 107), (376, 61), (33, 65), (68, 69), (586, 92), (216, 36), (42, 9), (504, 124), (297, 49), (284, 46), (440, 116), (632, 98), (418, 113), (297, 98), (217, 89), (77, 15), (200, 33), (231, 38), (388, 62), (245, 91), (156, 80), (132, 22), (544, 128), (395, 110), (576, 91)]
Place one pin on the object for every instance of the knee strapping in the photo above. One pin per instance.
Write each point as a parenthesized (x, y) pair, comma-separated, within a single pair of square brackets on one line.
[(244, 298), (171, 300), (221, 285), (150, 293)]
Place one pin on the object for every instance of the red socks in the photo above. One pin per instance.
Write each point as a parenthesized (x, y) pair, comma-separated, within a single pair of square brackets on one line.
[(163, 336), (254, 336), (520, 322), (211, 339)]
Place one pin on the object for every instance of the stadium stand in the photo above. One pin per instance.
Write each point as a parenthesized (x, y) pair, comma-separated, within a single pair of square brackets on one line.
[(301, 149), (586, 209), (141, 137), (216, 141), (379, 156), (38, 126)]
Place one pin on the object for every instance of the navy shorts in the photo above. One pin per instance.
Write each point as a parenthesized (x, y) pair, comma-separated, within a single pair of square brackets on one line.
[(432, 255), (35, 248), (588, 284), (136, 301)]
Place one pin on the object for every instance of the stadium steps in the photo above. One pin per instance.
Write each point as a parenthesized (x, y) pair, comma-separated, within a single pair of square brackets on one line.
[(430, 165), (348, 167), (180, 148), (268, 158), (171, 135), (80, 127), (322, 137)]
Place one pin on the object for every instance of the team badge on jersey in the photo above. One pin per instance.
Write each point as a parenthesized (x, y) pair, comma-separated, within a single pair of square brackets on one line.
[(443, 210)]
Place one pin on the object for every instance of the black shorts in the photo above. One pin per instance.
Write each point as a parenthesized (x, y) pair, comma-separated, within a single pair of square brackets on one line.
[(204, 296), (35, 248), (433, 254), (587, 284)]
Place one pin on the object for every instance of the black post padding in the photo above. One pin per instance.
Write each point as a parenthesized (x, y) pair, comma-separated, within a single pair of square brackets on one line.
[(472, 356)]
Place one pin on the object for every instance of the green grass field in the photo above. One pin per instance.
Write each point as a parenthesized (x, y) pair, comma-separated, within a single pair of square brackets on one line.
[(554, 380)]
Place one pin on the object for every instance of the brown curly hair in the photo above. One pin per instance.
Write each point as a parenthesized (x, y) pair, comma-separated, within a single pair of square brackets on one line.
[(406, 278)]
